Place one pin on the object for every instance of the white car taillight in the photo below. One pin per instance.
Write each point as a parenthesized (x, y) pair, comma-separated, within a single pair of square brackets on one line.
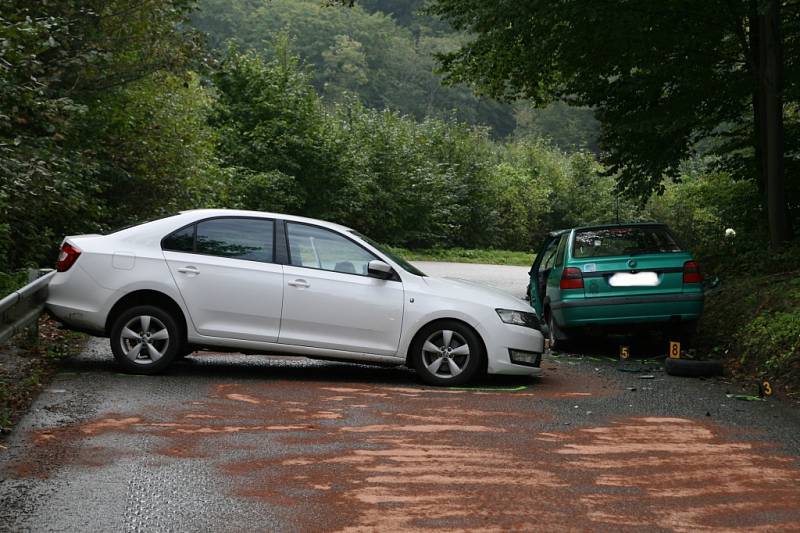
[(69, 254)]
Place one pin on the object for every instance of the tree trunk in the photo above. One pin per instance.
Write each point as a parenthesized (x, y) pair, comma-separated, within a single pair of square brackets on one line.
[(770, 104), (759, 117)]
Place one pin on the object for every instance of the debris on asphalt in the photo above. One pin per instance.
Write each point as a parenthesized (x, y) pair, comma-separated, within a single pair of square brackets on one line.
[(647, 376), (746, 397), (491, 389), (632, 389)]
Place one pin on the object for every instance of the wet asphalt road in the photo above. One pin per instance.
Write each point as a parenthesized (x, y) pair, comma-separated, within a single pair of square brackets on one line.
[(255, 443)]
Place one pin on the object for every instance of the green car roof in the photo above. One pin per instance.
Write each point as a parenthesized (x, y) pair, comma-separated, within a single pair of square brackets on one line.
[(603, 226)]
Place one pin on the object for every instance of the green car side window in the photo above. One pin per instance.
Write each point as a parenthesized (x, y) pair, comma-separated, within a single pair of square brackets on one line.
[(549, 257), (560, 253)]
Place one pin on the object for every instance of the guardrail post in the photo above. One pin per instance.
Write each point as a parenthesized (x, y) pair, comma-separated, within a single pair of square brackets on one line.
[(32, 333)]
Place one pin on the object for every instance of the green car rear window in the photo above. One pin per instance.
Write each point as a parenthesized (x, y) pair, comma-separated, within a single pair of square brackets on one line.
[(631, 240)]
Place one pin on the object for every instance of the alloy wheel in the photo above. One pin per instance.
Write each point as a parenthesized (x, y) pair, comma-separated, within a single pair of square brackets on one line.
[(144, 339), (445, 354)]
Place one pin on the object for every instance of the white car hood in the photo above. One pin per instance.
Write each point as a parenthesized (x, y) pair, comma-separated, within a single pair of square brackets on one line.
[(460, 289)]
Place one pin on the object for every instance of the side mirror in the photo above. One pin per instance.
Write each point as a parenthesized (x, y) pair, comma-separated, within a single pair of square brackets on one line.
[(379, 269)]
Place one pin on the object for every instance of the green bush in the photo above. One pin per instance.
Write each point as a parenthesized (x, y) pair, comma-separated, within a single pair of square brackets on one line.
[(753, 322), (9, 282), (702, 206)]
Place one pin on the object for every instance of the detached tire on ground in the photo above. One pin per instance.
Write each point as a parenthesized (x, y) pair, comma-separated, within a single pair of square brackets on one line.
[(447, 353), (145, 339), (690, 368)]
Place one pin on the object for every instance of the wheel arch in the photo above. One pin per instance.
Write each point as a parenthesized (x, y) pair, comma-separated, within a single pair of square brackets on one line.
[(148, 297)]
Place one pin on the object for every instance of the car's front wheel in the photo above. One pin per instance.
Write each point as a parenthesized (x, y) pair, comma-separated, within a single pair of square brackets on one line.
[(145, 339), (447, 353)]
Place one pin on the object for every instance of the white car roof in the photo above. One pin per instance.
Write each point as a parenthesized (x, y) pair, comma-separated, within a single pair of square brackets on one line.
[(206, 213), (151, 233)]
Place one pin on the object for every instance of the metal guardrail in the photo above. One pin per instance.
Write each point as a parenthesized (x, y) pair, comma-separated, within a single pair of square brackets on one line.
[(20, 310)]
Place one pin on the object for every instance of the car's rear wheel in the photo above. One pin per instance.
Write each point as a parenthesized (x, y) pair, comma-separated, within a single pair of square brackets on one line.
[(145, 339), (554, 333), (551, 330), (447, 353)]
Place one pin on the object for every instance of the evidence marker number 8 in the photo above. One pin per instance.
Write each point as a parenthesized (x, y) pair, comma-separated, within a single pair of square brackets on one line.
[(674, 350)]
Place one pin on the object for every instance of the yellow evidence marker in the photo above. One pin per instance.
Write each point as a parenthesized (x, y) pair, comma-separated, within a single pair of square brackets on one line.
[(624, 352), (674, 350)]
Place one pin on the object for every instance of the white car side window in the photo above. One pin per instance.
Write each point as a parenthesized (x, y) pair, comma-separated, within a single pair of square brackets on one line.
[(236, 238), (314, 247)]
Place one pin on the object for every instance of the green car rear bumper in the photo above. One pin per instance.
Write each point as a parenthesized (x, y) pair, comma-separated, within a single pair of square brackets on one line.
[(628, 309)]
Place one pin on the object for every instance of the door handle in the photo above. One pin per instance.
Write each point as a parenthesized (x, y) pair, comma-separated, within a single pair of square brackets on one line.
[(188, 270), (300, 284)]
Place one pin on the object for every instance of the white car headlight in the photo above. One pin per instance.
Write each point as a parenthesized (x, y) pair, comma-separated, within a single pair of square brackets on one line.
[(519, 318)]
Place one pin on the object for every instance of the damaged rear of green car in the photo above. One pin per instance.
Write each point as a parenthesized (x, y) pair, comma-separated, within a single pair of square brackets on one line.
[(616, 275)]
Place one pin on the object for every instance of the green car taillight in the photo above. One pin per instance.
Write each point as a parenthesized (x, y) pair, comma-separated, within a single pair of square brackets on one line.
[(691, 272), (571, 278)]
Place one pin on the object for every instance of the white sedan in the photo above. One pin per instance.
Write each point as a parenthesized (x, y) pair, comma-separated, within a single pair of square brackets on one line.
[(279, 284)]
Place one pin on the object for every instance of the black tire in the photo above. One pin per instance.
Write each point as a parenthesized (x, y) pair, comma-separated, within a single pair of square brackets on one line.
[(555, 334), (690, 368), (423, 359), (127, 333)]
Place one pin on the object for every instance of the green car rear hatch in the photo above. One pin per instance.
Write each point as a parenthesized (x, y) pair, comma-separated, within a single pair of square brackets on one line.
[(630, 260)]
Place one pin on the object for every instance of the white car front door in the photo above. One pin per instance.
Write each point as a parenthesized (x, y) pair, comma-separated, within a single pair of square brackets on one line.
[(223, 268), (331, 302)]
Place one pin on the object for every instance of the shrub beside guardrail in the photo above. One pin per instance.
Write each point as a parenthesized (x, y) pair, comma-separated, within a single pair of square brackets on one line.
[(20, 310)]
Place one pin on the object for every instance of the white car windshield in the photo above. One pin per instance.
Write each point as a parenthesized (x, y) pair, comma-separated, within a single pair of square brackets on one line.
[(408, 267)]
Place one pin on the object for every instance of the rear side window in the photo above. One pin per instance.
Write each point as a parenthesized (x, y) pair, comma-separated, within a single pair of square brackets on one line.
[(549, 256), (560, 253), (237, 238), (632, 240), (180, 241)]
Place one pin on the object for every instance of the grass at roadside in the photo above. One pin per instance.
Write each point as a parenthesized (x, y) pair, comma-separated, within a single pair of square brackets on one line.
[(461, 255), (753, 323), (25, 371)]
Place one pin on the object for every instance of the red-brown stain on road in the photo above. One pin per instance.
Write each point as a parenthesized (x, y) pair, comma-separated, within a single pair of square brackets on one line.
[(359, 457)]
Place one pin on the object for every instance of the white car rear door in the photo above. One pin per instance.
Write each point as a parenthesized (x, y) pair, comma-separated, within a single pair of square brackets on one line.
[(225, 272)]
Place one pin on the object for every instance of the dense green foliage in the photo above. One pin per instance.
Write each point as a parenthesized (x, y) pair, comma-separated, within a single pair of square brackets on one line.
[(661, 76), (404, 182), (257, 131), (96, 120), (358, 52), (252, 132), (753, 321)]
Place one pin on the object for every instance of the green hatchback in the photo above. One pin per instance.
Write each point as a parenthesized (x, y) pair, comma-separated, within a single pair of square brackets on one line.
[(616, 275)]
